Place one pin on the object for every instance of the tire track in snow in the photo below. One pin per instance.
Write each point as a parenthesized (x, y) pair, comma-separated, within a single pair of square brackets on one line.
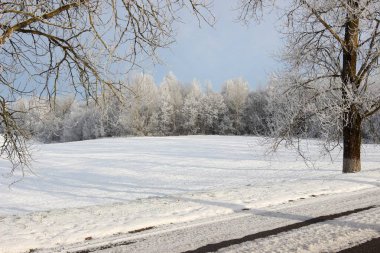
[(224, 244)]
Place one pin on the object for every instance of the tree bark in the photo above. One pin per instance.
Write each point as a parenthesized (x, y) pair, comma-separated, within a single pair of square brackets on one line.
[(352, 142), (351, 117)]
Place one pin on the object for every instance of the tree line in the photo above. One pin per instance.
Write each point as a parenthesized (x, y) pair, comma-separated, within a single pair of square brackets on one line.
[(171, 108)]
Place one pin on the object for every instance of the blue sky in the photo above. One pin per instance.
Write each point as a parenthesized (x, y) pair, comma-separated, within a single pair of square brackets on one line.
[(228, 50)]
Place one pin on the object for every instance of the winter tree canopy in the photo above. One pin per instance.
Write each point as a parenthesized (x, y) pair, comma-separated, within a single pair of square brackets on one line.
[(48, 46), (332, 57)]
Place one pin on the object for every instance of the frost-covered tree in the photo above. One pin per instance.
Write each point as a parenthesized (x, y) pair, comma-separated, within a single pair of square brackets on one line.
[(235, 92), (112, 113), (144, 103), (171, 99), (256, 113), (291, 113), (333, 50), (83, 123), (192, 109), (214, 115), (43, 121), (166, 114), (47, 46)]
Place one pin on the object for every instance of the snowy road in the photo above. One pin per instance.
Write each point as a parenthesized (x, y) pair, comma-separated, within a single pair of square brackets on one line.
[(347, 219)]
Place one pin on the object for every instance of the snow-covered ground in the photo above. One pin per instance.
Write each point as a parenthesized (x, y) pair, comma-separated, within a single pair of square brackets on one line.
[(104, 187), (240, 231)]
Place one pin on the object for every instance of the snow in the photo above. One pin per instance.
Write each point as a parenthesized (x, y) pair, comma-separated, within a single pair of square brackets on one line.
[(104, 187), (333, 235), (330, 236)]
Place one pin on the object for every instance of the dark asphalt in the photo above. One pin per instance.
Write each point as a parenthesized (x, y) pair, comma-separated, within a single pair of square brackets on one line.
[(372, 246)]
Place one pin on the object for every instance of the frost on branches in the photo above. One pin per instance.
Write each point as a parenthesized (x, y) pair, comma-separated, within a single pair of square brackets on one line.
[(82, 47), (332, 58)]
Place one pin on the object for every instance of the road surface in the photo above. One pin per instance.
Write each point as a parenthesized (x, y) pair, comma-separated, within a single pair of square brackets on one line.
[(325, 223)]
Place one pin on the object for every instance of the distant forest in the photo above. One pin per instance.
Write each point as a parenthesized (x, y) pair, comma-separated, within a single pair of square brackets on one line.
[(171, 108)]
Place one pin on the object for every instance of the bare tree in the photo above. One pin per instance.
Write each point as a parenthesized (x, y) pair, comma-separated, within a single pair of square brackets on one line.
[(81, 46), (333, 56)]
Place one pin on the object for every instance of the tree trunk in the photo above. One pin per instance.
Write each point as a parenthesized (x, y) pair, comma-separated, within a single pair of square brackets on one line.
[(351, 142), (351, 118)]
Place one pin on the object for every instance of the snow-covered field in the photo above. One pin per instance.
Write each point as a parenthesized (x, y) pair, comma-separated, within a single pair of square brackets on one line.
[(105, 187)]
